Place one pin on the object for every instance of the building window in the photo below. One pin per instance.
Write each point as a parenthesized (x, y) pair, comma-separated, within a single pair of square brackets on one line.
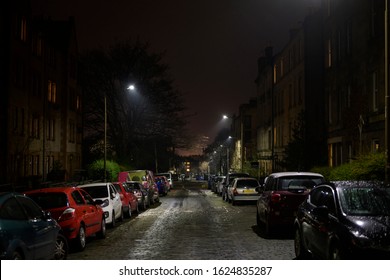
[(349, 38), (34, 127), (78, 103), (282, 67), (375, 145), (50, 130), (328, 5), (72, 131), (348, 97), (23, 29), (330, 109), (329, 53), (51, 91), (275, 73), (374, 89), (374, 17), (37, 45)]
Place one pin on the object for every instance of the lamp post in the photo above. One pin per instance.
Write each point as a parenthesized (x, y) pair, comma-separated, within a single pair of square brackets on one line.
[(241, 140), (131, 88)]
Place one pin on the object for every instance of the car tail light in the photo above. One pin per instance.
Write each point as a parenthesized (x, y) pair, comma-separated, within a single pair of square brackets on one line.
[(235, 191), (275, 198), (68, 214)]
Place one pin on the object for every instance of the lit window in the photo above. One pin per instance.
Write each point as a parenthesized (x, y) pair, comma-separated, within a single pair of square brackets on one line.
[(23, 29)]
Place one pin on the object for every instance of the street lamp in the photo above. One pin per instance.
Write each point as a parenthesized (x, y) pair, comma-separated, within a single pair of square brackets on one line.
[(241, 140), (131, 88)]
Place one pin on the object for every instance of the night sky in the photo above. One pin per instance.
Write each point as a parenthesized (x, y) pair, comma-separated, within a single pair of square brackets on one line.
[(211, 46)]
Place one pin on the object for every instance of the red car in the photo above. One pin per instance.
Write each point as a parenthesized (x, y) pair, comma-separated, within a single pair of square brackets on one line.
[(74, 209), (129, 199)]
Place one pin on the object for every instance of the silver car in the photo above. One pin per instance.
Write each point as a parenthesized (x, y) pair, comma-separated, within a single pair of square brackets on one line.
[(243, 189)]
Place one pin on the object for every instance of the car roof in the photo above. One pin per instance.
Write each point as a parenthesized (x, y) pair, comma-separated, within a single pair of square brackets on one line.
[(64, 189), (94, 185), (294, 173), (357, 184)]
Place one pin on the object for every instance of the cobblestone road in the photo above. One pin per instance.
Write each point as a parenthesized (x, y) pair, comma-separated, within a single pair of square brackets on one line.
[(190, 223)]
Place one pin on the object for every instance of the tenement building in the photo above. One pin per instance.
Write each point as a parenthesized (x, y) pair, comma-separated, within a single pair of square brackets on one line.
[(41, 121)]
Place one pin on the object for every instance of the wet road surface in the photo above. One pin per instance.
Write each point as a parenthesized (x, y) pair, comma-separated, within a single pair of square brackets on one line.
[(190, 223)]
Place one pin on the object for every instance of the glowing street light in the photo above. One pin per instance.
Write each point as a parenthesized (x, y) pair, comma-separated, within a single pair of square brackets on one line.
[(241, 141)]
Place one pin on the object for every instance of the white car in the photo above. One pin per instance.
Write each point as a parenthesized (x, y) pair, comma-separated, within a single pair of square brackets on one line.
[(243, 189), (112, 204)]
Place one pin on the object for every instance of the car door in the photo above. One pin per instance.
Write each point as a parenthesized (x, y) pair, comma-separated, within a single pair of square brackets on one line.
[(262, 202), (115, 200), (317, 225), (92, 218), (43, 230)]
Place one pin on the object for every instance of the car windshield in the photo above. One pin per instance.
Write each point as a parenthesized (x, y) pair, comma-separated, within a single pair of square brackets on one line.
[(118, 188), (247, 183), (97, 191), (50, 200), (364, 201), (306, 182)]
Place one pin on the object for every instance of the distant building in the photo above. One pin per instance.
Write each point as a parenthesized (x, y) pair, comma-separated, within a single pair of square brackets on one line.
[(354, 78), (41, 119), (290, 86)]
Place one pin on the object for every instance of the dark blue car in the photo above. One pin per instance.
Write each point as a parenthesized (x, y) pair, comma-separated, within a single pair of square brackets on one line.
[(27, 232)]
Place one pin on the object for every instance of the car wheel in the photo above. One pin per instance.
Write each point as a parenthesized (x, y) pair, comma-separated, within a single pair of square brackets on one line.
[(61, 248), (300, 251), (233, 202), (113, 220), (102, 232), (81, 239)]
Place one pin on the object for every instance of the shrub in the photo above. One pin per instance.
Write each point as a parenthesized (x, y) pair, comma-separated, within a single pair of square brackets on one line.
[(367, 167), (96, 170)]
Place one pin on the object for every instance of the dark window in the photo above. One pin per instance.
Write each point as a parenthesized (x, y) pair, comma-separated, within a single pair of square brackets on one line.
[(11, 210)]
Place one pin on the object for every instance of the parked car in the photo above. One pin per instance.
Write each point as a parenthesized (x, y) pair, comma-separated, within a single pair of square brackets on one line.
[(75, 211), (228, 180), (280, 197), (169, 177), (129, 200), (145, 177), (344, 220), (162, 185), (27, 232), (140, 192), (243, 189), (219, 184), (112, 204)]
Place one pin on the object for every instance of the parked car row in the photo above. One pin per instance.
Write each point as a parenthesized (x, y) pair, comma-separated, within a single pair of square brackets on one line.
[(329, 220), (44, 223)]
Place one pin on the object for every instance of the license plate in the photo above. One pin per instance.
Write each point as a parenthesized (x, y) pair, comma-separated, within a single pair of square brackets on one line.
[(248, 191)]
